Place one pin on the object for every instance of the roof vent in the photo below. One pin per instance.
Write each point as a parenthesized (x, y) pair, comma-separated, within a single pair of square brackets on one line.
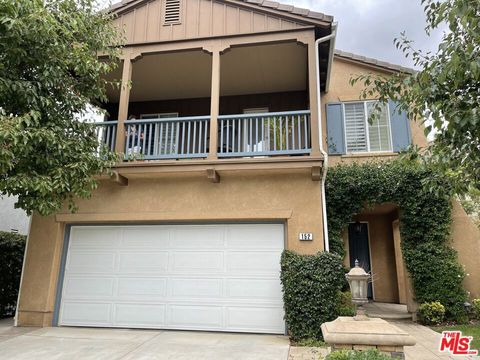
[(172, 12)]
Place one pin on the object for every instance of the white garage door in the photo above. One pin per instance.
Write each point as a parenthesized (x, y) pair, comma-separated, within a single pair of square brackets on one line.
[(204, 277)]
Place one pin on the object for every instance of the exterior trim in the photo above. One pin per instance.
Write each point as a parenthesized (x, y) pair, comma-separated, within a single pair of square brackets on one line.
[(176, 216), (61, 274)]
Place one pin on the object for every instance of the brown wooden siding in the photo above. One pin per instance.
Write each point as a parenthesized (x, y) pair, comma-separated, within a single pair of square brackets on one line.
[(198, 18)]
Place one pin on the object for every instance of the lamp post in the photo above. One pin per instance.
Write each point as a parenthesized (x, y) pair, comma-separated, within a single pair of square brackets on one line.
[(358, 281)]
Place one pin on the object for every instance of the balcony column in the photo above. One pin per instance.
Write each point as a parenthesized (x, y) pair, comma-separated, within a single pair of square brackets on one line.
[(312, 87), (123, 104), (215, 103)]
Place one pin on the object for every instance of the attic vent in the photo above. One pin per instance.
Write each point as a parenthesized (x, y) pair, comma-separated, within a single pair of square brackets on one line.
[(172, 12)]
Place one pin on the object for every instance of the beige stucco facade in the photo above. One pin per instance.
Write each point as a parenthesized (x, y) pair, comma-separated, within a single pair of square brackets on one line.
[(386, 262), (283, 189), (287, 197)]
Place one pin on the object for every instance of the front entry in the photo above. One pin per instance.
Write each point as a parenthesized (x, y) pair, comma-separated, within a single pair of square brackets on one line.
[(359, 248)]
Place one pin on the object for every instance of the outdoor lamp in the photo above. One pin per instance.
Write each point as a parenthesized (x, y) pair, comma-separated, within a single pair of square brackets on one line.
[(358, 280)]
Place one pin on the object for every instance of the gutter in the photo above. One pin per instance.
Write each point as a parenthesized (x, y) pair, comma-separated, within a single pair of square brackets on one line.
[(332, 38)]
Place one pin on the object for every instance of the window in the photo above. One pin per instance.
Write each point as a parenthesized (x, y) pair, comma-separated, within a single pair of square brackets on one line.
[(360, 134), (262, 144), (165, 134), (172, 12)]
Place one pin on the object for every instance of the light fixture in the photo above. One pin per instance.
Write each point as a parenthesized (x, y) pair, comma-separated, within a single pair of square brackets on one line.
[(357, 227), (358, 281)]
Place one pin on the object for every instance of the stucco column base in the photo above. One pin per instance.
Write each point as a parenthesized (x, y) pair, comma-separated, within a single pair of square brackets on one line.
[(34, 318), (348, 333)]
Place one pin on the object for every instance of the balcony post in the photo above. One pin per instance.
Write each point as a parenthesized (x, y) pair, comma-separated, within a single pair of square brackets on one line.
[(123, 104), (312, 86), (215, 103)]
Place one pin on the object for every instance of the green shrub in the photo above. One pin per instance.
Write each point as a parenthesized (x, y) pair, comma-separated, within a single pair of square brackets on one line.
[(476, 308), (12, 247), (345, 305), (431, 313), (311, 286), (357, 355), (431, 262)]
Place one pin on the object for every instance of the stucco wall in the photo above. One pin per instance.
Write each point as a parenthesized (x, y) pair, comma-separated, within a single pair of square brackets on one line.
[(290, 197), (466, 240), (341, 90), (465, 235)]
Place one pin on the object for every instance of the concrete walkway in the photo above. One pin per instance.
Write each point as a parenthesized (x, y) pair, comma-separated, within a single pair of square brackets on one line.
[(57, 343), (8, 331), (387, 311), (427, 345)]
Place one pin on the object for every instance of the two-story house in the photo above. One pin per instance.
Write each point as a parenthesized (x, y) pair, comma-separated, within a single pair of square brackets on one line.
[(224, 130)]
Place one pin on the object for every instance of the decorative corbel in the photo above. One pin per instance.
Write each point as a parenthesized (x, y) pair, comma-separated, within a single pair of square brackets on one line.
[(213, 175), (119, 179)]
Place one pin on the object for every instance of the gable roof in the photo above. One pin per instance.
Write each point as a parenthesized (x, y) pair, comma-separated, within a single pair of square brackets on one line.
[(373, 62), (264, 5)]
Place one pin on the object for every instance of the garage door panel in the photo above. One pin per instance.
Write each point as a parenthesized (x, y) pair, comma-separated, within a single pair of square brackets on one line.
[(206, 277), (251, 236), (197, 261), (268, 319), (95, 237), (88, 314), (142, 288), (207, 317), (156, 262), (140, 315), (89, 288), (141, 237), (253, 262), (253, 288), (210, 288), (197, 237), (90, 262)]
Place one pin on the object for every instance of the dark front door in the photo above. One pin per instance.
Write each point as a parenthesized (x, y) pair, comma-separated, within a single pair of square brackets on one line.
[(359, 249)]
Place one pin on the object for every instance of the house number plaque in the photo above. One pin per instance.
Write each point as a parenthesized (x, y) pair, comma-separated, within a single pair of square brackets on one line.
[(305, 236)]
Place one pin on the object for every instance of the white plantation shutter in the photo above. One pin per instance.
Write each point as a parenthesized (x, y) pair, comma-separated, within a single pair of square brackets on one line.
[(379, 129), (355, 128)]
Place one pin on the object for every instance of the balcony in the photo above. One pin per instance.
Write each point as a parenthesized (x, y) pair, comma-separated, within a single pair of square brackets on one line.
[(240, 135), (249, 103)]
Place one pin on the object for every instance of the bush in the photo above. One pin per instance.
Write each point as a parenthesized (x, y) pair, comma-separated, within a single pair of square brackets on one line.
[(357, 355), (476, 308), (311, 286), (431, 262), (345, 305), (431, 313), (12, 247)]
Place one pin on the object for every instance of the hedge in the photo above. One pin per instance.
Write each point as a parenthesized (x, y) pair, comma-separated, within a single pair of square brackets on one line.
[(311, 291), (12, 247), (425, 218)]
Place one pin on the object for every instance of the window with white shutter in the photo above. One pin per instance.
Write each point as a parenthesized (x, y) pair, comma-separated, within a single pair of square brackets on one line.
[(172, 12), (355, 133), (360, 134)]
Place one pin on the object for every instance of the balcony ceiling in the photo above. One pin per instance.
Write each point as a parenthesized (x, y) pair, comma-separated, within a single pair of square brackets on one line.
[(244, 70)]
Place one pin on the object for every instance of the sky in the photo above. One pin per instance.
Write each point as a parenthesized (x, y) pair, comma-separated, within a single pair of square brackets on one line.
[(368, 27)]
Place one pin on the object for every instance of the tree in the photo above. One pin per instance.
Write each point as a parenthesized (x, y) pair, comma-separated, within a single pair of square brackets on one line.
[(445, 92), (49, 73)]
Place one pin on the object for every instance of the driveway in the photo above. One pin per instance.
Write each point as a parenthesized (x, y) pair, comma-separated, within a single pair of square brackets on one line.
[(87, 343)]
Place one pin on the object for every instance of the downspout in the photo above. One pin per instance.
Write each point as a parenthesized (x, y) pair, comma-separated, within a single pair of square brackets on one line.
[(332, 38)]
